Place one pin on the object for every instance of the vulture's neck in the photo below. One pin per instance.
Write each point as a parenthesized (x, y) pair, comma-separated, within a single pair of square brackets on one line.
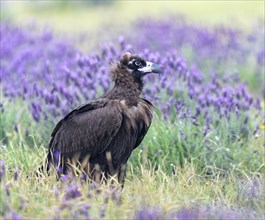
[(125, 85)]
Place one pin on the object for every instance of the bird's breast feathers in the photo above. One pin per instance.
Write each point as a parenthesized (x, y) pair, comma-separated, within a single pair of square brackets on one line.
[(137, 114)]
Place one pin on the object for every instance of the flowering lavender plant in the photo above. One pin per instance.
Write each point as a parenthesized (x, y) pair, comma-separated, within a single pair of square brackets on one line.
[(210, 110), (56, 77), (154, 213), (72, 192)]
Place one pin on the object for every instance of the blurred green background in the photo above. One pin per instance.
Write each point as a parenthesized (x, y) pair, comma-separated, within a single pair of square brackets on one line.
[(94, 17), (91, 15)]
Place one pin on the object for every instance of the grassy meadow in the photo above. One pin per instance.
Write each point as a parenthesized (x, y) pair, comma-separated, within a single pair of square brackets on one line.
[(203, 156)]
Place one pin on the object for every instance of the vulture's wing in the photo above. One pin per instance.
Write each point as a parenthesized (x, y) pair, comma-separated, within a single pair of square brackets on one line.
[(90, 127), (148, 116)]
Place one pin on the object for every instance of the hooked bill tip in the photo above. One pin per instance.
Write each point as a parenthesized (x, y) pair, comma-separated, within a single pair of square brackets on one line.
[(156, 68)]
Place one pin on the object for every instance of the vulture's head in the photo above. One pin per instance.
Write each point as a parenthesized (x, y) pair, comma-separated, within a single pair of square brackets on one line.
[(129, 71), (137, 66)]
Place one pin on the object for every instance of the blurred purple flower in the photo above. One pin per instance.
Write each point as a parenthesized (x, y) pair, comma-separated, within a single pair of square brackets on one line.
[(252, 190), (56, 156), (2, 170), (188, 214), (84, 211), (7, 187), (64, 177), (72, 192), (213, 212), (116, 196), (261, 57), (2, 105), (154, 213), (16, 174), (102, 213), (15, 216), (89, 195), (56, 77), (71, 71)]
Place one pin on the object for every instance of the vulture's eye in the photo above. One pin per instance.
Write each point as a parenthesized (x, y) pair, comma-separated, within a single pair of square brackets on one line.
[(137, 63)]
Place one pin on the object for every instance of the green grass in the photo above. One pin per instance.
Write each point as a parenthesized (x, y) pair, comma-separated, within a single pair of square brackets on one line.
[(224, 146), (147, 187), (166, 173)]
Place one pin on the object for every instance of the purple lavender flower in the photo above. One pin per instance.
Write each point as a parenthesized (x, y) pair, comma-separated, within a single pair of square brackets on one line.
[(261, 57), (2, 170), (106, 198), (116, 196), (188, 214), (64, 177), (149, 213), (75, 80), (16, 174), (56, 156), (56, 77), (7, 187), (122, 42), (102, 213), (27, 132), (216, 211), (72, 192), (15, 216), (84, 211), (2, 105), (89, 195), (251, 190), (198, 111)]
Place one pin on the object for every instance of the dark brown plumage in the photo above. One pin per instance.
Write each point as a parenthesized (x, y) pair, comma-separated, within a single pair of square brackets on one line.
[(100, 136)]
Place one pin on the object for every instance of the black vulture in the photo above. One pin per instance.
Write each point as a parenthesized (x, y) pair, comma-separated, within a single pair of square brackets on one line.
[(101, 135)]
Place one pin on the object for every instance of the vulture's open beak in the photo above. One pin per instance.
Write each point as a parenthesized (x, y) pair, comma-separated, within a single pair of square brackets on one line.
[(150, 68)]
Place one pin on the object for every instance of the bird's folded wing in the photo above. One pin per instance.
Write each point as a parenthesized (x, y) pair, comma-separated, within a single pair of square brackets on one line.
[(91, 127), (146, 117)]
